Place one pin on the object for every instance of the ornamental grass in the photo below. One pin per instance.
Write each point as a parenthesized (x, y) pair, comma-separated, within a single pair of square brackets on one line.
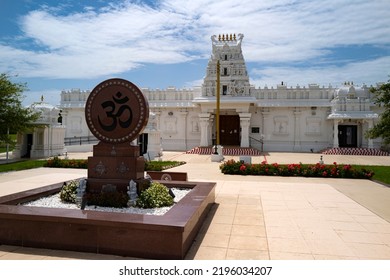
[(296, 169)]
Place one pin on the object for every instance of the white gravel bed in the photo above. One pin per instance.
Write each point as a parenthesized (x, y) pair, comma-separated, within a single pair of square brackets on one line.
[(54, 201)]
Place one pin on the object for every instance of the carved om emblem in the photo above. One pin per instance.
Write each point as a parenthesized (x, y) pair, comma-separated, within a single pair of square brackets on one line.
[(114, 115)]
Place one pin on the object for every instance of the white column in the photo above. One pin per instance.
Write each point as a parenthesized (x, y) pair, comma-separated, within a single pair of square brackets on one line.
[(183, 117), (335, 133), (245, 119), (204, 120), (297, 131), (370, 141)]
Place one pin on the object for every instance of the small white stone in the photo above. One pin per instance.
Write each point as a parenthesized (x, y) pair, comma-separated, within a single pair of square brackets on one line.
[(54, 201)]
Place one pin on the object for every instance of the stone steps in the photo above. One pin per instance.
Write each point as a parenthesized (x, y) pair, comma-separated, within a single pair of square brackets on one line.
[(228, 151), (355, 151)]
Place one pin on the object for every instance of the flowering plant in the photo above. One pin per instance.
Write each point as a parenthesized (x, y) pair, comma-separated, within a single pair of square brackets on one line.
[(296, 169)]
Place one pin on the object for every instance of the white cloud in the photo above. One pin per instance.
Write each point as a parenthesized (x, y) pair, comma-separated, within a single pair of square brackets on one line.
[(92, 43), (358, 72)]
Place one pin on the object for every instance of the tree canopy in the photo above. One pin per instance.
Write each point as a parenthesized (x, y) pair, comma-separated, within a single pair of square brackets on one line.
[(382, 99), (13, 116)]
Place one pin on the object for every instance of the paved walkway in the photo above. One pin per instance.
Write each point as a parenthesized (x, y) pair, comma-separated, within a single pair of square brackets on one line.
[(260, 217)]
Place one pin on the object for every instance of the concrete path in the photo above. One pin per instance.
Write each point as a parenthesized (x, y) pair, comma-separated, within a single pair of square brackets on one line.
[(261, 217)]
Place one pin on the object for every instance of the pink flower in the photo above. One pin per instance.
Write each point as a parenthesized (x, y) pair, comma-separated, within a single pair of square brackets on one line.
[(242, 167)]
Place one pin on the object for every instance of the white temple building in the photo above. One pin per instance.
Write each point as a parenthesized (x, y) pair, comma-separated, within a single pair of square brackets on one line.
[(45, 140), (284, 118)]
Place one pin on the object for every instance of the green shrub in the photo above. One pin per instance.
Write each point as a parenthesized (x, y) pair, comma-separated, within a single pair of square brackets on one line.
[(296, 169), (157, 195), (69, 191), (107, 199)]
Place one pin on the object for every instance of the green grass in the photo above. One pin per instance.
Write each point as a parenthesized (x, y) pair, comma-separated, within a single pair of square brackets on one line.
[(21, 165), (381, 173)]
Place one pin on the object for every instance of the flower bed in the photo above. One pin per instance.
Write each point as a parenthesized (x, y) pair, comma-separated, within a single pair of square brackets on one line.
[(305, 170)]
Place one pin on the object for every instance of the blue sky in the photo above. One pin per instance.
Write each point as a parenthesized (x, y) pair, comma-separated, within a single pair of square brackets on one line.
[(54, 45)]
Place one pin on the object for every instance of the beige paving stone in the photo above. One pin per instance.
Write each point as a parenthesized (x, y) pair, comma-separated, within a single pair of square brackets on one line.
[(278, 218), (207, 253), (328, 257), (311, 223), (214, 240), (290, 256), (347, 226), (248, 243), (257, 220), (370, 219), (304, 213), (385, 237), (249, 200), (216, 228), (283, 232), (332, 247), (249, 208), (224, 209), (223, 219), (248, 213), (370, 251), (250, 190), (319, 234), (273, 202), (281, 207), (288, 245), (360, 237), (245, 230), (21, 256), (381, 228), (298, 204), (226, 199), (236, 254)]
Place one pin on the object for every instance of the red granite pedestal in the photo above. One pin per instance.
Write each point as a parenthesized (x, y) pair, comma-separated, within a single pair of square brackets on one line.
[(112, 166)]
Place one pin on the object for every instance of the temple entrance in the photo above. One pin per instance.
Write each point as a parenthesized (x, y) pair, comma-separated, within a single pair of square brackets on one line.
[(229, 126), (29, 143), (347, 136)]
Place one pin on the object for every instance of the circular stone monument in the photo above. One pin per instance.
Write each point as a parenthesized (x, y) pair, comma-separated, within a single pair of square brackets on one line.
[(116, 111)]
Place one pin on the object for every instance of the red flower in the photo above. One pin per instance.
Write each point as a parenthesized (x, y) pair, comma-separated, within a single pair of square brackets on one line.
[(242, 167), (347, 167)]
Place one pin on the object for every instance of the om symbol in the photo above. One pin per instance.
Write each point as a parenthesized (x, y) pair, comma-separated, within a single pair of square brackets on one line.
[(110, 108)]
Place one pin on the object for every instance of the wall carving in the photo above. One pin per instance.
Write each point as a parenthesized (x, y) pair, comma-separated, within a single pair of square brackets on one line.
[(281, 125)]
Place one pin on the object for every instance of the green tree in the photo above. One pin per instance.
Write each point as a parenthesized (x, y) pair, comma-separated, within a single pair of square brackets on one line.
[(13, 116), (382, 99)]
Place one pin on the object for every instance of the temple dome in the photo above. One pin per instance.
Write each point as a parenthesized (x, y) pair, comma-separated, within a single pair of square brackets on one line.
[(348, 90), (48, 113)]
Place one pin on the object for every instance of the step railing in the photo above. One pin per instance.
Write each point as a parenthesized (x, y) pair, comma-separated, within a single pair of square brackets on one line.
[(256, 143)]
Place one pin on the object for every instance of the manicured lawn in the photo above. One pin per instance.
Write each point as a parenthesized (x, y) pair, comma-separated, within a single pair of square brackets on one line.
[(381, 173), (21, 165)]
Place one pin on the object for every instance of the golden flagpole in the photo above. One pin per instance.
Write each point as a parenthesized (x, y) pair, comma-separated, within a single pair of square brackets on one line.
[(218, 101)]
